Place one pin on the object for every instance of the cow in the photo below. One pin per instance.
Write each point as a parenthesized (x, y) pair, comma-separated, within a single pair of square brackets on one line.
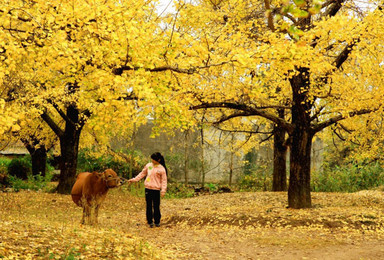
[(90, 190)]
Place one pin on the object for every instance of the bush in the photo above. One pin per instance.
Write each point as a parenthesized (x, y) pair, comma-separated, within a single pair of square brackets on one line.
[(348, 178), (37, 182), (4, 180), (4, 162), (20, 167), (20, 176), (260, 179), (179, 190)]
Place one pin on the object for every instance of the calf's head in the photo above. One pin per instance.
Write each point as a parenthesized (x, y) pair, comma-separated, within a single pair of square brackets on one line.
[(110, 177)]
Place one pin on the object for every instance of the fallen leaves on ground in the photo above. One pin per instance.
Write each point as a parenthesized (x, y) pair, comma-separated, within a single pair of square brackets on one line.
[(235, 225)]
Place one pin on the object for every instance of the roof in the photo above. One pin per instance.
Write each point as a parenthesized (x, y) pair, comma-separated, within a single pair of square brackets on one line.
[(14, 149)]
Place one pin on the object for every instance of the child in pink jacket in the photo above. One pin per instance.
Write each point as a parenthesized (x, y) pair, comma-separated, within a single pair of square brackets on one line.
[(155, 186)]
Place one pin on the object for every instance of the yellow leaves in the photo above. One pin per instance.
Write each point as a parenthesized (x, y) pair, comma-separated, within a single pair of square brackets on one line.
[(242, 60), (84, 41), (8, 118), (15, 128)]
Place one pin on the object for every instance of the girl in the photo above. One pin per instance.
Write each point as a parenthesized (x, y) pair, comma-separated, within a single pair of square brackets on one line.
[(155, 185)]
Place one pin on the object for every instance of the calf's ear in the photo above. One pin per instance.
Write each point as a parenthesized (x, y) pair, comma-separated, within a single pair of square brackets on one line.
[(99, 174), (110, 171)]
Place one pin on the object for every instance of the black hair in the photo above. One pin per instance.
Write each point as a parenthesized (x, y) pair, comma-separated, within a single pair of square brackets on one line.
[(159, 158)]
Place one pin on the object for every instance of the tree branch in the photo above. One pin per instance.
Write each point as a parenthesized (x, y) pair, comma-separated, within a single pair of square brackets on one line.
[(191, 70), (126, 97), (334, 7), (61, 112), (269, 15), (320, 126), (23, 19), (119, 71), (242, 131), (234, 115), (343, 56), (250, 111), (58, 131), (267, 138)]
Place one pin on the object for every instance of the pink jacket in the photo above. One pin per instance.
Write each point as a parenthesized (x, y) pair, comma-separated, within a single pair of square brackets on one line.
[(156, 177)]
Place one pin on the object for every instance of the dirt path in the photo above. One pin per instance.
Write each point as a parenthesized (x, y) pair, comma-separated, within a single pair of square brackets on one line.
[(194, 229), (217, 243)]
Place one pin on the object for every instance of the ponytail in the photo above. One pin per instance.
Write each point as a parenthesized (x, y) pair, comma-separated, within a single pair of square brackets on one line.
[(159, 158)]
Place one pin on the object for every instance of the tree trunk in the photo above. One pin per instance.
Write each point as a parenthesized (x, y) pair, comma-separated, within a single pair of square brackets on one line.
[(69, 137), (69, 144), (279, 164), (299, 191), (202, 168), (231, 161), (38, 157), (202, 157), (279, 182), (68, 164), (39, 161), (186, 157), (230, 170)]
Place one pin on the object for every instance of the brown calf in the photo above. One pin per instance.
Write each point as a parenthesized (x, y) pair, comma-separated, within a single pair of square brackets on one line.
[(90, 190)]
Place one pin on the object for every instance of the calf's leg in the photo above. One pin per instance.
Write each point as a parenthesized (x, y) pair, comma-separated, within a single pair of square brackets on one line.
[(83, 218), (87, 209), (96, 214)]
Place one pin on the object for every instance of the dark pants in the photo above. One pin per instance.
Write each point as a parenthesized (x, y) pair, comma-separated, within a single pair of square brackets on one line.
[(152, 197)]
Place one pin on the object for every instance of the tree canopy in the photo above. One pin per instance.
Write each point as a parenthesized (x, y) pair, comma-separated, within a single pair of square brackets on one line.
[(78, 61)]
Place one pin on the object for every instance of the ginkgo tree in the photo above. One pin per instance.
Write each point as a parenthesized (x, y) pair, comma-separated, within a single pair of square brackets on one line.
[(78, 58), (319, 62)]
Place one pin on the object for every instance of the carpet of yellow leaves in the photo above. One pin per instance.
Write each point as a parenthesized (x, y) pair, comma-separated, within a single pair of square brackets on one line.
[(35, 225)]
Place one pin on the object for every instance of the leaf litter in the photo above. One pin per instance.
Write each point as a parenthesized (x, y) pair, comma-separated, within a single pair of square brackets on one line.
[(250, 225)]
